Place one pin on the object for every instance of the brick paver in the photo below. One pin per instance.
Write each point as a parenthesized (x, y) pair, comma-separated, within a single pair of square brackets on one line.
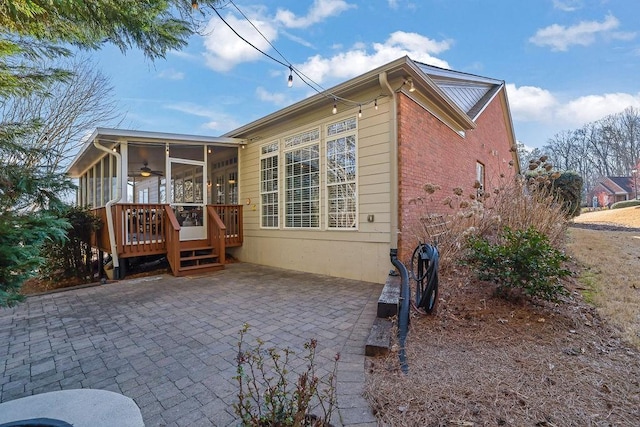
[(170, 343)]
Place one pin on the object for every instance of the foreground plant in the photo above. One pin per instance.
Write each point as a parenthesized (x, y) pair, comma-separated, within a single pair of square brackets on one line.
[(519, 259), (266, 395)]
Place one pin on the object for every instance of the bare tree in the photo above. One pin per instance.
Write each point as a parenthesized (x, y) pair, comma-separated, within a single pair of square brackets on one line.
[(607, 147), (66, 113)]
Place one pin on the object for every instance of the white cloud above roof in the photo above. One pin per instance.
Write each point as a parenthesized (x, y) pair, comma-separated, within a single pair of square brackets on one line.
[(568, 5), (560, 38), (362, 58), (276, 98), (216, 119), (318, 12), (594, 107), (534, 104), (529, 103), (225, 50)]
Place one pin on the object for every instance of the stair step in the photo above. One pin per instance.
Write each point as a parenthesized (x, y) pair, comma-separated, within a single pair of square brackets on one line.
[(197, 248), (389, 298), (198, 257), (200, 269), (200, 251), (379, 339)]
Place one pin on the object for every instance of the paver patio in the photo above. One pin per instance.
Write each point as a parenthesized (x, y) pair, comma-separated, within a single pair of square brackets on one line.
[(170, 343)]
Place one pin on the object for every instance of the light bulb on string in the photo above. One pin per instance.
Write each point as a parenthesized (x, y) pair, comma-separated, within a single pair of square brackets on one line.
[(375, 103), (290, 80), (360, 111), (335, 107)]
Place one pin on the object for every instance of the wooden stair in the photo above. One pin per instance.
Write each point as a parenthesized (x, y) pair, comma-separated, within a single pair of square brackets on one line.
[(198, 260)]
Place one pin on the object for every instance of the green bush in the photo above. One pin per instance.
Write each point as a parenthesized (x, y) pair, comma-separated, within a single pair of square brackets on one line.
[(625, 204), (520, 259), (72, 256)]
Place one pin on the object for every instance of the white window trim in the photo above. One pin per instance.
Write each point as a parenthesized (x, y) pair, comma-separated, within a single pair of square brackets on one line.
[(326, 139), (277, 153), (285, 150)]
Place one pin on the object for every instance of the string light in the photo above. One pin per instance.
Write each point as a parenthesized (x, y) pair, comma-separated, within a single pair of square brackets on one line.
[(359, 111), (305, 79)]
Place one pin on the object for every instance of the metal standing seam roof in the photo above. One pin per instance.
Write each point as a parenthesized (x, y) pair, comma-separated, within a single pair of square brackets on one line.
[(469, 92)]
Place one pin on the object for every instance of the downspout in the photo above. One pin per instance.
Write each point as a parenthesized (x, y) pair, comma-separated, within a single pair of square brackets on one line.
[(405, 296), (393, 137), (108, 205)]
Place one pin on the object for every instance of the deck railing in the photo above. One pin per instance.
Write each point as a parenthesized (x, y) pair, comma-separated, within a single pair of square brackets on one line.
[(139, 228), (152, 228), (172, 236), (231, 216), (217, 233)]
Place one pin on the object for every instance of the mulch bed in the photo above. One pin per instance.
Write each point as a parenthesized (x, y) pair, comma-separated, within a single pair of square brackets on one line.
[(484, 361)]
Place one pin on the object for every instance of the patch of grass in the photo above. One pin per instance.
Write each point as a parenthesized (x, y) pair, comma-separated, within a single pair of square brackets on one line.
[(612, 279), (590, 281)]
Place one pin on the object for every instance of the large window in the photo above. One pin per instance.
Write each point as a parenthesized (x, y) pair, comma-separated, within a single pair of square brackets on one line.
[(291, 179), (341, 174), (269, 185), (302, 180)]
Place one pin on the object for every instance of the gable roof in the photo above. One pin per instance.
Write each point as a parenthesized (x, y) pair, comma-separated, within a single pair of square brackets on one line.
[(616, 184), (470, 92), (461, 97), (624, 182)]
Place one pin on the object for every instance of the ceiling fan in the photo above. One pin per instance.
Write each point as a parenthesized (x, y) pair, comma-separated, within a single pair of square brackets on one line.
[(145, 171)]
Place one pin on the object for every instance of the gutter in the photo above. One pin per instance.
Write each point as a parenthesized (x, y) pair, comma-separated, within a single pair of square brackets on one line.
[(108, 205), (393, 137)]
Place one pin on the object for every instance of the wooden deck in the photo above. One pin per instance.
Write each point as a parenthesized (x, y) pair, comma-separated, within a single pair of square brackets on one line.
[(153, 229)]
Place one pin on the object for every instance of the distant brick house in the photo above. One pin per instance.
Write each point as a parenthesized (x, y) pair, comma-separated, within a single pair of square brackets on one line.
[(309, 187), (612, 189)]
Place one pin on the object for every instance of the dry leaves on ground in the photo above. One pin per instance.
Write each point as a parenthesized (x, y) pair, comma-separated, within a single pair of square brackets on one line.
[(484, 361)]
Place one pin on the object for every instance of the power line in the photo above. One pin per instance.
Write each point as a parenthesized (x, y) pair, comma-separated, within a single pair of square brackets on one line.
[(293, 70)]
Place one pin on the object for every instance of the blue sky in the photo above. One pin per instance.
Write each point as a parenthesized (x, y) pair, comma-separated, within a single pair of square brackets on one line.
[(565, 62)]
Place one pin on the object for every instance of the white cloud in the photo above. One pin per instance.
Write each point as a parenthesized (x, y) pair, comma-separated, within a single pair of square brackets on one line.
[(171, 74), (534, 107), (393, 4), (560, 38), (359, 59), (319, 11), (225, 50), (216, 120), (276, 98), (567, 5), (529, 103), (594, 107)]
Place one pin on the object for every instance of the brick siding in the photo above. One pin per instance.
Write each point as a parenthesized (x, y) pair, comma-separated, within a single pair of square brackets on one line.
[(431, 152)]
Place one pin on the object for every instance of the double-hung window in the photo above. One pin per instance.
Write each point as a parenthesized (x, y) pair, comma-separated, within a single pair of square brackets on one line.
[(269, 185), (341, 174), (302, 179)]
